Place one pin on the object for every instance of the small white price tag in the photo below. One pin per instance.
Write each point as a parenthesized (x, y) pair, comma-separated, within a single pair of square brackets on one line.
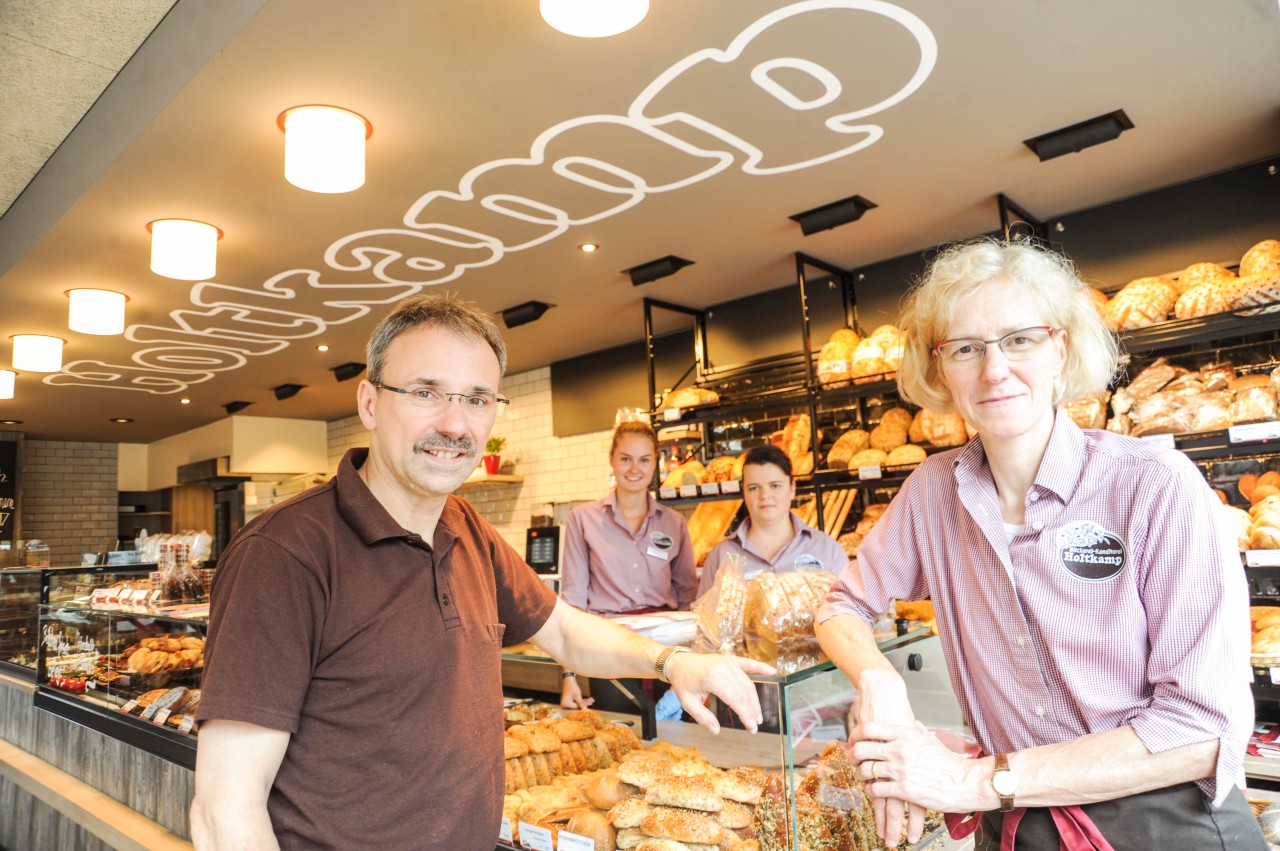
[(1164, 441), (535, 838), (504, 831), (732, 486), (1254, 432), (130, 706), (189, 722), (668, 493), (872, 472), (90, 684), (688, 490), (573, 842), (150, 711), (671, 414), (709, 489), (1262, 558), (161, 717), (1275, 676)]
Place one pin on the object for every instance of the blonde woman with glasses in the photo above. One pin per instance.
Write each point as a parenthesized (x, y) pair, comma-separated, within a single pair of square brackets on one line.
[(1092, 612)]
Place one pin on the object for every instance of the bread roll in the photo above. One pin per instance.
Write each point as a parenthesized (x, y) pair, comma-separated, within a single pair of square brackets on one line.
[(833, 363), (906, 454), (848, 336), (629, 837), (593, 826), (628, 812), (512, 746), (691, 793), (1261, 259), (682, 825), (1264, 538), (899, 418)]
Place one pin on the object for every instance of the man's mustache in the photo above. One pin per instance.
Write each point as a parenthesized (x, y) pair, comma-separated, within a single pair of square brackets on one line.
[(439, 441)]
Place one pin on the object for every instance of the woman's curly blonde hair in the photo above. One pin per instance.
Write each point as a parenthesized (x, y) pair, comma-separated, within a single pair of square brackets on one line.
[(1052, 280)]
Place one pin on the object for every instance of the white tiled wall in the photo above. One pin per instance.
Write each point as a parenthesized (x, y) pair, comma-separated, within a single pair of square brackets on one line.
[(555, 469)]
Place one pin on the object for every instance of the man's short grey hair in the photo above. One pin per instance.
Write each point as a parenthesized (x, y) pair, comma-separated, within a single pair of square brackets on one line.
[(433, 310)]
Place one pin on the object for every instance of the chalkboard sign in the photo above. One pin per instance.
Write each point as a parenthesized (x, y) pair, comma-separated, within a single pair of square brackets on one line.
[(8, 491)]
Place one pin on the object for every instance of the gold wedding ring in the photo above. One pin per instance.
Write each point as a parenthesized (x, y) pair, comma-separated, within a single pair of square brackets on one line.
[(875, 770)]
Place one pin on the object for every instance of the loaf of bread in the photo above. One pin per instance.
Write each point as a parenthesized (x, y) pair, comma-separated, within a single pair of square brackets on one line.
[(593, 826), (1140, 303), (1205, 299), (1261, 259), (834, 360), (642, 772), (1096, 297), (868, 458), (692, 793), (1089, 411), (887, 437), (690, 397), (943, 429), (1254, 290), (846, 446), (683, 825), (797, 437), (908, 453), (720, 468)]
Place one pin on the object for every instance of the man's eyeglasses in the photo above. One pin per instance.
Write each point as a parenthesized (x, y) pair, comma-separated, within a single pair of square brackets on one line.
[(478, 406), (1016, 345)]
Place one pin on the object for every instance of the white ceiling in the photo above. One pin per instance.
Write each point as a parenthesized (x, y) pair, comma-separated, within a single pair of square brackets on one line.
[(677, 144)]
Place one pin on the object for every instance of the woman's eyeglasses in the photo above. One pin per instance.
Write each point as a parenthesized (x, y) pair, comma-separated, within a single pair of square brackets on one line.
[(1016, 345)]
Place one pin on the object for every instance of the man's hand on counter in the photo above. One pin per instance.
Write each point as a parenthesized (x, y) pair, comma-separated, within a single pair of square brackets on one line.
[(697, 676)]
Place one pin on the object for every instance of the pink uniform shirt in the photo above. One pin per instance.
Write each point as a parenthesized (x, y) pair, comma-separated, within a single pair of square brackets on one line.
[(1123, 601), (810, 549), (608, 570)]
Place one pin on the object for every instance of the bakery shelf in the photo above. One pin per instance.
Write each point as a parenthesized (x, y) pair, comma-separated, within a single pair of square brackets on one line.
[(1205, 329), (481, 479)]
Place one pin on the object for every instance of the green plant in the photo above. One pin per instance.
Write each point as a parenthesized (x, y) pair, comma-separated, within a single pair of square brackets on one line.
[(494, 445)]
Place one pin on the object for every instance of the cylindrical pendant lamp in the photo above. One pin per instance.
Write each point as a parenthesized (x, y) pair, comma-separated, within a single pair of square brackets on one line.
[(183, 249), (324, 147), (593, 18), (37, 353), (7, 377), (96, 311)]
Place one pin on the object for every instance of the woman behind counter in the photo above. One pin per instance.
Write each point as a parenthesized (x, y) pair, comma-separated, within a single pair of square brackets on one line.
[(772, 538), (626, 554), (1091, 609)]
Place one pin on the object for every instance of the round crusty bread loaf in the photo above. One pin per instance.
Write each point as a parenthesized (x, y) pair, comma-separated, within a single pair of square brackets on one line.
[(1202, 273), (907, 453), (899, 418), (833, 363), (1140, 303), (887, 437), (1095, 296), (846, 446), (943, 429), (593, 826), (1266, 642), (1204, 299), (868, 458), (1262, 617), (848, 336), (1261, 259)]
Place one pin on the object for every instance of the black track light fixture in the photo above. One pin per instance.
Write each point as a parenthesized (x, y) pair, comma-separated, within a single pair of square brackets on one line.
[(523, 314), (287, 391), (832, 215), (347, 371), (655, 269), (1077, 137), (236, 407)]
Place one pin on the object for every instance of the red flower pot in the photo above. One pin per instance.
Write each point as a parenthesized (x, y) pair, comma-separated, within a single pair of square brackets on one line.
[(491, 463)]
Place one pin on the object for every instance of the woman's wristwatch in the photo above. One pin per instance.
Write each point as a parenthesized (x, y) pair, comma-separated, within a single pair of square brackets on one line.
[(660, 664), (568, 675)]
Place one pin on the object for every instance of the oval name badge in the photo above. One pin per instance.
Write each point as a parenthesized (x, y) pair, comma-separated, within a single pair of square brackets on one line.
[(1089, 552)]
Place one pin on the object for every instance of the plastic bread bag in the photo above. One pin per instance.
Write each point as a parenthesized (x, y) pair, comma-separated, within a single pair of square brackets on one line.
[(832, 811), (720, 609)]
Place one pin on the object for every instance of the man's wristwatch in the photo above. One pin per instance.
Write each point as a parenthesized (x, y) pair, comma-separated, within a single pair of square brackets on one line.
[(660, 664), (1004, 782), (568, 675)]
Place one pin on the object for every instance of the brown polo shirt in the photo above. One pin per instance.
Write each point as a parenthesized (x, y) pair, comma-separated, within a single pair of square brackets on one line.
[(379, 653)]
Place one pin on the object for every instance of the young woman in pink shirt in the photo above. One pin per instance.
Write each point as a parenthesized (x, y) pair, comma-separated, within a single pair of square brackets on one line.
[(626, 553)]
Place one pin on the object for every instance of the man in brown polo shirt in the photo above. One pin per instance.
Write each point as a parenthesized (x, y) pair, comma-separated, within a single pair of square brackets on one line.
[(352, 685)]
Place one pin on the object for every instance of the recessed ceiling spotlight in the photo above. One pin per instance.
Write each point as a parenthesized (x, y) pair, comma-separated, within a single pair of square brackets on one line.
[(588, 247), (121, 420), (8, 379), (322, 348), (184, 401)]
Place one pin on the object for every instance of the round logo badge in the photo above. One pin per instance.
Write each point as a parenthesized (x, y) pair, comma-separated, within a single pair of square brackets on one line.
[(805, 561), (661, 541), (1090, 552)]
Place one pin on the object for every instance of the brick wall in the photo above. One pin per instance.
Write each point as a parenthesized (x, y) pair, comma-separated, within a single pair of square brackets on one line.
[(69, 496), (555, 469)]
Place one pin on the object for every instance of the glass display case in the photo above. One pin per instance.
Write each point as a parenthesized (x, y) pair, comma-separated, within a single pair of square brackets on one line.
[(22, 590), (132, 675), (810, 790)]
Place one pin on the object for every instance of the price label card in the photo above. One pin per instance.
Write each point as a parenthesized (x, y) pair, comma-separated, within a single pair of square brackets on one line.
[(671, 414), (90, 684), (1262, 558), (688, 490), (872, 472), (733, 486), (573, 842), (1164, 441), (1254, 432), (161, 717), (130, 706), (710, 489), (1275, 676), (504, 830), (150, 711), (188, 724), (668, 493), (535, 838)]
